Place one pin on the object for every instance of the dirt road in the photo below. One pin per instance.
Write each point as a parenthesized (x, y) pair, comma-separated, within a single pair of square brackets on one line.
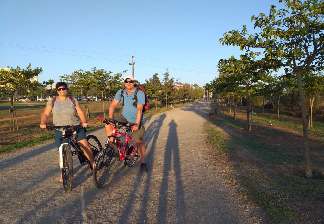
[(182, 185)]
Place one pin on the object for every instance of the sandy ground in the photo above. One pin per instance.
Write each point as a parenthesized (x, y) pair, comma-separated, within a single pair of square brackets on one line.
[(183, 183)]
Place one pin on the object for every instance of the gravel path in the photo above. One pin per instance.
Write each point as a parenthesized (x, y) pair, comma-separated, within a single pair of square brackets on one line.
[(181, 186)]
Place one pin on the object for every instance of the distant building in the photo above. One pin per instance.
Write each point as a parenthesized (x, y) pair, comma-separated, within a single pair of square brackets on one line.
[(178, 85), (5, 69)]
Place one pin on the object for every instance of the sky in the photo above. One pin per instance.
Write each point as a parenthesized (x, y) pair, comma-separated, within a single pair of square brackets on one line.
[(181, 36)]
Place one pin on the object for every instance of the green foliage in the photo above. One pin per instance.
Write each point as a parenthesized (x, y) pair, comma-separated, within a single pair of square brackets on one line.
[(96, 81), (14, 80), (168, 90), (153, 87)]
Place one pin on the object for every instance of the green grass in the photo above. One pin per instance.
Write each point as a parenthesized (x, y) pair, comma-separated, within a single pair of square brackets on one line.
[(285, 121), (274, 191), (216, 138), (289, 122), (267, 153)]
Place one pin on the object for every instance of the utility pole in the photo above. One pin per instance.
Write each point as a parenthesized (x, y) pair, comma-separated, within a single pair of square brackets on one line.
[(166, 92), (133, 67)]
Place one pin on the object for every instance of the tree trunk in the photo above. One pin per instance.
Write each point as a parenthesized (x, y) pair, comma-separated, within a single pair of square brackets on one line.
[(308, 169), (230, 104), (273, 104), (263, 102), (248, 115), (234, 110), (278, 108), (156, 104), (12, 99), (311, 106)]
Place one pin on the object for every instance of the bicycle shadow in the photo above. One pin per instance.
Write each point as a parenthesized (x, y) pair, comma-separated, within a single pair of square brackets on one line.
[(6, 163)]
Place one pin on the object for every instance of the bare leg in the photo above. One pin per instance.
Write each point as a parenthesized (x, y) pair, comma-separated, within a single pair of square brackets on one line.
[(142, 150), (87, 150), (109, 130)]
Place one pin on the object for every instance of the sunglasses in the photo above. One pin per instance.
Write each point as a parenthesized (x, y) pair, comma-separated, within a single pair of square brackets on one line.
[(61, 89), (129, 81)]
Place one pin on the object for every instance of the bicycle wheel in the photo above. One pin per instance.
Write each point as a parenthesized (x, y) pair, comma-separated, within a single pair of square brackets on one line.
[(67, 170), (96, 148), (112, 154), (95, 144), (131, 156)]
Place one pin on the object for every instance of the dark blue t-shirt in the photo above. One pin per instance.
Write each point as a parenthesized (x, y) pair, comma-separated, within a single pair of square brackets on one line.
[(129, 111)]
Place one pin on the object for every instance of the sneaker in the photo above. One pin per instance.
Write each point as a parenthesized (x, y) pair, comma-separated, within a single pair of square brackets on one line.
[(144, 167)]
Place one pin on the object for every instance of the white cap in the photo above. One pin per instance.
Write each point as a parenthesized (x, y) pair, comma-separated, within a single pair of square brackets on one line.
[(128, 77)]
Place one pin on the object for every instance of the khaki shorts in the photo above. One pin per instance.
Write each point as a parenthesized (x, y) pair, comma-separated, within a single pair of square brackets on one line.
[(137, 135)]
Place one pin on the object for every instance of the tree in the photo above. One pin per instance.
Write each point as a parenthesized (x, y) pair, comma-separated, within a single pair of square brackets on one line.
[(167, 88), (49, 83), (153, 86), (102, 80), (17, 79), (314, 85), (245, 73), (80, 82), (114, 84), (292, 35)]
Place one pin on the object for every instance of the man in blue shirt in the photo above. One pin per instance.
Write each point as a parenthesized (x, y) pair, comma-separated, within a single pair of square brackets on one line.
[(132, 112)]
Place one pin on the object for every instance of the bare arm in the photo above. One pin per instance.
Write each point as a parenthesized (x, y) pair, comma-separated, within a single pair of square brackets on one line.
[(80, 114), (44, 116), (139, 114), (112, 107)]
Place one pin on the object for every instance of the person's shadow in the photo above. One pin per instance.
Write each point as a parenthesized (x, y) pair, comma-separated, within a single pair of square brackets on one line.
[(171, 161)]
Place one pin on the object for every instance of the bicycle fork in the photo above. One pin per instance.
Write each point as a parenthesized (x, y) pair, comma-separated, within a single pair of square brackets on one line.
[(61, 155)]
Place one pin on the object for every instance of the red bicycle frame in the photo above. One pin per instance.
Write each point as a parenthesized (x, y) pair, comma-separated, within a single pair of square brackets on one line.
[(123, 141)]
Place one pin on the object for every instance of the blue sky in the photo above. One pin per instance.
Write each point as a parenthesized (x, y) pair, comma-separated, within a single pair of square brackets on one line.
[(178, 35)]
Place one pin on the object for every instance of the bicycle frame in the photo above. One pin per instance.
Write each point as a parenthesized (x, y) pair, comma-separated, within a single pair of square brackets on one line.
[(69, 139), (123, 141)]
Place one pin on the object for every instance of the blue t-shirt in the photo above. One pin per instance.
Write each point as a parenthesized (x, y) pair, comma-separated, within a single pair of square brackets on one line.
[(129, 111)]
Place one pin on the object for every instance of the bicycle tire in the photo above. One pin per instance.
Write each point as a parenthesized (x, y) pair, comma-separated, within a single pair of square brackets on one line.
[(131, 156), (112, 153), (95, 144), (96, 147), (67, 170)]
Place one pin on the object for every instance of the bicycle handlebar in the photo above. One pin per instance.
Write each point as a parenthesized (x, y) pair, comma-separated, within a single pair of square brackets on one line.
[(52, 127), (117, 123)]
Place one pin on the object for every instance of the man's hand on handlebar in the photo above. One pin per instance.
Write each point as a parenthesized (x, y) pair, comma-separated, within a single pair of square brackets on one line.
[(134, 127)]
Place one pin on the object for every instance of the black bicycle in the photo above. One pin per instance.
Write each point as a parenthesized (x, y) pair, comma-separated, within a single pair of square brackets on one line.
[(70, 147)]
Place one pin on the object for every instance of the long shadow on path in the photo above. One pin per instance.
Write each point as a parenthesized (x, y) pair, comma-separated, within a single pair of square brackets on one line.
[(6, 163), (151, 136), (171, 154)]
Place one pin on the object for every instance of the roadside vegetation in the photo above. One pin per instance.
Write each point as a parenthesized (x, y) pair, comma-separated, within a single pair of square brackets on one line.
[(280, 66), (267, 120), (266, 164)]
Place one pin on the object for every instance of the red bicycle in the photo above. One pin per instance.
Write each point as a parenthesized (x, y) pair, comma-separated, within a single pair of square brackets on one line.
[(122, 148)]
